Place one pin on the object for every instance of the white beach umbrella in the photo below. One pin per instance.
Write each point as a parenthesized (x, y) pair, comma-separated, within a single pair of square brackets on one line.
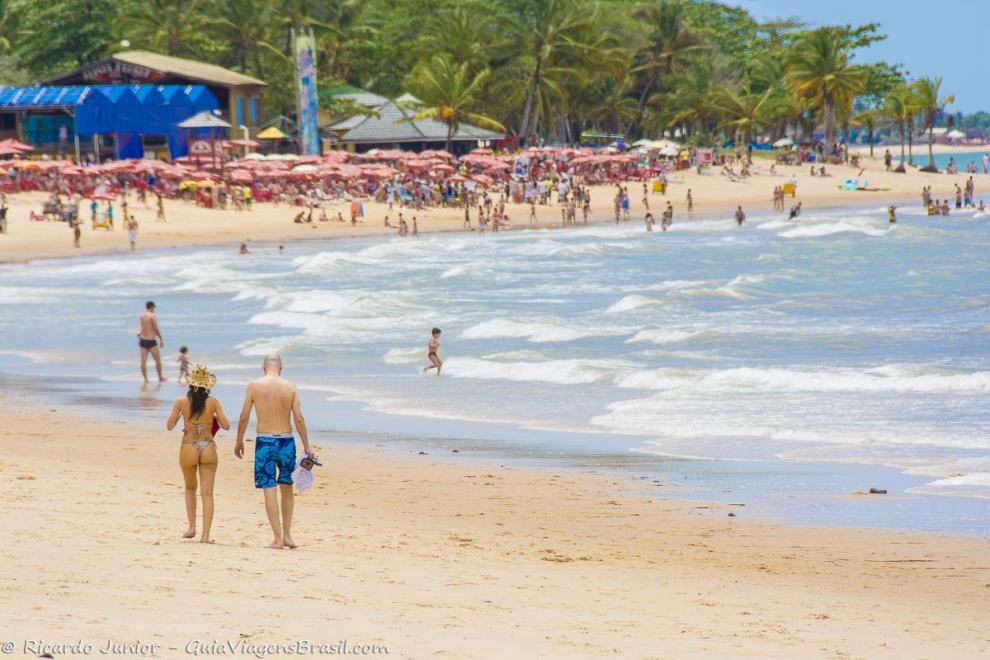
[(784, 142), (955, 135)]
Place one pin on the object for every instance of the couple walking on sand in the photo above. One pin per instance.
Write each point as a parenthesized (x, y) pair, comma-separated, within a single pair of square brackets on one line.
[(275, 401)]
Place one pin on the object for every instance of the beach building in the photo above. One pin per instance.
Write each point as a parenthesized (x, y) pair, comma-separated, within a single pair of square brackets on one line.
[(390, 125), (238, 96), (123, 121)]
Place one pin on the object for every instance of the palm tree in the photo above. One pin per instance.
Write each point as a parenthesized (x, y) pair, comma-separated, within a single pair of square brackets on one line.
[(347, 29), (465, 32), (692, 102), (445, 91), (164, 24), (870, 119), (608, 103), (820, 69), (900, 106), (248, 26), (927, 92), (672, 45), (744, 111), (556, 35)]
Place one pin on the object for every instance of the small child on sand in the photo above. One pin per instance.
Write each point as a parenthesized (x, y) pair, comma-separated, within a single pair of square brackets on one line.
[(183, 361), (431, 354)]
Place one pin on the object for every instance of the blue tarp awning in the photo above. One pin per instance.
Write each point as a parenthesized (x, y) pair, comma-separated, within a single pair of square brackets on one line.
[(126, 111)]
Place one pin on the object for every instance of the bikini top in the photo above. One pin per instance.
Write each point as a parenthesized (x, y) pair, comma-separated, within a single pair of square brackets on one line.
[(197, 427)]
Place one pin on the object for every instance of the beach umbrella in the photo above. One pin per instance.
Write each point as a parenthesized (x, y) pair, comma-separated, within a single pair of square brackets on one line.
[(955, 134), (784, 142), (9, 151), (240, 176), (248, 144), (304, 168), (481, 152), (437, 153), (271, 133), (16, 145)]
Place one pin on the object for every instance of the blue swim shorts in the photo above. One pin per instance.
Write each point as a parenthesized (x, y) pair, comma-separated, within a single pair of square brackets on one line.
[(271, 451)]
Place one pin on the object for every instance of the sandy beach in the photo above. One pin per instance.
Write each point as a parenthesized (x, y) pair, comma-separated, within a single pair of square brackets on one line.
[(714, 195), (433, 556)]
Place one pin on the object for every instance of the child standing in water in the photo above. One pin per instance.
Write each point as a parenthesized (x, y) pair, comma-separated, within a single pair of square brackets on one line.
[(183, 361), (431, 353)]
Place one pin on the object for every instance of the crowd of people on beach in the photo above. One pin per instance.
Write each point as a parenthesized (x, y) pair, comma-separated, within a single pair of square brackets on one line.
[(483, 184)]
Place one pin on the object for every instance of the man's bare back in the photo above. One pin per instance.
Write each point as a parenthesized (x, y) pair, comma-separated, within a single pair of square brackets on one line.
[(275, 401), (273, 397)]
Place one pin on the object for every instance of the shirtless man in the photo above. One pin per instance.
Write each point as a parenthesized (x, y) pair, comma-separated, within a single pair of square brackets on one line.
[(274, 399), (151, 341)]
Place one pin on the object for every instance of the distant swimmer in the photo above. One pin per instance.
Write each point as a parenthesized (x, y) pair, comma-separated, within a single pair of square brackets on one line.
[(795, 211), (431, 352), (740, 216), (892, 214), (649, 221), (150, 340), (244, 249), (202, 416), (668, 217)]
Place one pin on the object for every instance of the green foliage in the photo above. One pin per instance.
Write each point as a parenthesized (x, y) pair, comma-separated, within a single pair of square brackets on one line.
[(547, 68), (54, 37)]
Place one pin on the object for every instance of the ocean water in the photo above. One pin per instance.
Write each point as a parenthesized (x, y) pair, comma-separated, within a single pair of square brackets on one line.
[(792, 362), (963, 159)]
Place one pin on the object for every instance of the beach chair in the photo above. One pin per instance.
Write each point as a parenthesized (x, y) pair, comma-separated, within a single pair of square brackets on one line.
[(790, 189), (104, 223)]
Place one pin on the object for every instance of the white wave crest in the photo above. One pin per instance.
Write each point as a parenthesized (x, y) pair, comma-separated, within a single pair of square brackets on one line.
[(663, 336), (535, 331), (631, 302), (830, 228), (792, 380), (559, 372)]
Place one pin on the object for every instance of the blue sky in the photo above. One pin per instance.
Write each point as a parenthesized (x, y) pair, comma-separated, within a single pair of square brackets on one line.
[(946, 38)]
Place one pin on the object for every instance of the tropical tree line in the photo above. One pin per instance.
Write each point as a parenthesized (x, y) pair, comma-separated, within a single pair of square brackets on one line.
[(546, 70)]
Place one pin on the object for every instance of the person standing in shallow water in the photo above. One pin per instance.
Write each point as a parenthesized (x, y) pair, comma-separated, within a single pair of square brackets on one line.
[(200, 413), (150, 340), (275, 401), (740, 216), (431, 352)]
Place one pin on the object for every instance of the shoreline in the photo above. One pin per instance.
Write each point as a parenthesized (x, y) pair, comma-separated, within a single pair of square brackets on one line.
[(620, 456), (459, 537)]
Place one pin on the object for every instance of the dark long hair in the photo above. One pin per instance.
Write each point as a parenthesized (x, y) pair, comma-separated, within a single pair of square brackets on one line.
[(197, 400)]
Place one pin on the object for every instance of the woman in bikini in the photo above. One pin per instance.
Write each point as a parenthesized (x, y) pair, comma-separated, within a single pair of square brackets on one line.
[(431, 353), (202, 415)]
